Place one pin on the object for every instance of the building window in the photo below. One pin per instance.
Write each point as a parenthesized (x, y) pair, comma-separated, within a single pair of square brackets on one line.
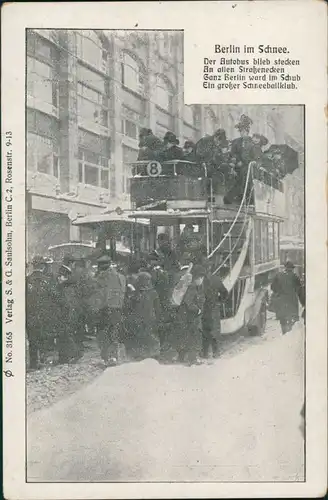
[(42, 154), (164, 95), (133, 76), (42, 82), (132, 122), (92, 104), (129, 156), (91, 49), (42, 69), (93, 169)]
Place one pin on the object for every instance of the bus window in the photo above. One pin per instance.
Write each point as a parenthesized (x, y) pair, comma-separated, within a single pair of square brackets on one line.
[(276, 239), (264, 241), (258, 256), (270, 241)]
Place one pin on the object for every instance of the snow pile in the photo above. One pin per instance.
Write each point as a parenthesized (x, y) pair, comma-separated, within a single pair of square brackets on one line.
[(235, 420)]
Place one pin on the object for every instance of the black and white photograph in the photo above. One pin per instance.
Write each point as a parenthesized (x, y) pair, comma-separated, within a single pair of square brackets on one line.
[(165, 270)]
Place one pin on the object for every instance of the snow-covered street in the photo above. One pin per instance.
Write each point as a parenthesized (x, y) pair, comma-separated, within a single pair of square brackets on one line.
[(234, 420)]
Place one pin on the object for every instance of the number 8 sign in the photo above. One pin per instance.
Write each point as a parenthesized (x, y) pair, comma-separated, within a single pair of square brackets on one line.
[(154, 169)]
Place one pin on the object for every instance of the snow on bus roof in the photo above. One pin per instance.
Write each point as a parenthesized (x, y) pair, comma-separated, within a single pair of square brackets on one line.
[(180, 214), (110, 217)]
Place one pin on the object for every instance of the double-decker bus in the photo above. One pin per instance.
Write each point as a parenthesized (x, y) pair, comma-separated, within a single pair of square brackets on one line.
[(240, 241)]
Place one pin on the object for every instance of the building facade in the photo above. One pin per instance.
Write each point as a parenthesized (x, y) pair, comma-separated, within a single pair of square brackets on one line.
[(88, 94)]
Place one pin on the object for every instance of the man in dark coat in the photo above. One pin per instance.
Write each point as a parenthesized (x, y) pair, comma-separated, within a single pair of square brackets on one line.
[(149, 145), (242, 153), (145, 311), (209, 151), (171, 150), (82, 280), (40, 290), (165, 254), (215, 294), (66, 323), (193, 168), (189, 151), (259, 141), (287, 293)]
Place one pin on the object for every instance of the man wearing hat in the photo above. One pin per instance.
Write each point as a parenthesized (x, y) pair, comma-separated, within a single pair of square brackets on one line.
[(149, 145), (39, 301), (108, 306), (189, 153), (67, 316), (215, 293), (144, 340), (287, 292), (259, 141), (188, 335), (209, 150), (171, 150)]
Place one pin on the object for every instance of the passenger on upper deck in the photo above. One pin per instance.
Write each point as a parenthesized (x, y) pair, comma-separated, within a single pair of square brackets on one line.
[(209, 150), (171, 150), (259, 141), (189, 153), (242, 147), (149, 145)]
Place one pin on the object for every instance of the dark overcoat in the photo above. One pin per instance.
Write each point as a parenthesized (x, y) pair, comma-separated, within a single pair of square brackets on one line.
[(173, 153), (143, 342), (188, 334), (215, 293), (40, 305), (287, 292)]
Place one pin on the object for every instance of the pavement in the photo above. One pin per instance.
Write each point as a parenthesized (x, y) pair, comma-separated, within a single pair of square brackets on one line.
[(234, 420)]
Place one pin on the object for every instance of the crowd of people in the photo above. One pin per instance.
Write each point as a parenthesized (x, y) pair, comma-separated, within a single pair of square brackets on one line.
[(130, 306), (225, 160)]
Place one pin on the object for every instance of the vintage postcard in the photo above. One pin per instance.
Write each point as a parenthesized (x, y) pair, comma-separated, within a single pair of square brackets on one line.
[(164, 265)]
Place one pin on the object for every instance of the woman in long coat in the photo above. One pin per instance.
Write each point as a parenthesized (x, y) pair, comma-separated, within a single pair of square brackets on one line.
[(188, 334), (287, 293), (145, 315)]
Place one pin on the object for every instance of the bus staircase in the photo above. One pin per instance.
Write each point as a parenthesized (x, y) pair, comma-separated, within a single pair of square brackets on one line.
[(230, 256)]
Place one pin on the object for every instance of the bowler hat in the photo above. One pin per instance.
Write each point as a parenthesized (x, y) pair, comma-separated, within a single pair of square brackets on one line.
[(171, 138), (289, 265)]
